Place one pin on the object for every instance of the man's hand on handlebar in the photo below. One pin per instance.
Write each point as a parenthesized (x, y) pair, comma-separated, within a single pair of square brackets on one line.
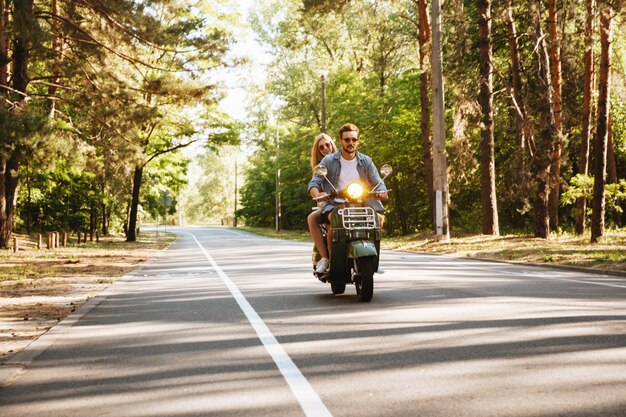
[(380, 195), (321, 197)]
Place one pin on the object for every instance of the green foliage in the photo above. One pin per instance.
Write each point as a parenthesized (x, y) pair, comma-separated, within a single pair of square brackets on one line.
[(60, 200), (258, 194), (113, 86), (618, 126), (123, 84), (19, 127), (581, 186), (368, 51), (163, 181), (370, 83), (210, 195), (615, 195)]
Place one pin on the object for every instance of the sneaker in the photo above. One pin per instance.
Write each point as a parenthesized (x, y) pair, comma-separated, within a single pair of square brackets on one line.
[(380, 270), (322, 266)]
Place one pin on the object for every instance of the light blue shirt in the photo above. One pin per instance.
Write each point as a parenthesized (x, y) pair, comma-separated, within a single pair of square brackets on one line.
[(365, 167)]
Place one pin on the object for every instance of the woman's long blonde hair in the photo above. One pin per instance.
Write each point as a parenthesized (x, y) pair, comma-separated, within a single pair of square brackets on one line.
[(316, 155)]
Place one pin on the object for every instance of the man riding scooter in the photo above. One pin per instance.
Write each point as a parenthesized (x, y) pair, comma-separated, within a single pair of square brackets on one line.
[(344, 167)]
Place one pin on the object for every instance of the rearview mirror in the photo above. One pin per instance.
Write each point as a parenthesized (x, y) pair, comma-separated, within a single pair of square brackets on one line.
[(321, 170), (386, 170)]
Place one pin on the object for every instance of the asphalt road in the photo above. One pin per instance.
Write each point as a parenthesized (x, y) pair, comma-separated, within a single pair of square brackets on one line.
[(229, 324)]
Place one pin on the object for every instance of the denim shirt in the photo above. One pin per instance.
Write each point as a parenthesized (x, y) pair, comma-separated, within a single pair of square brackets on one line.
[(365, 167)]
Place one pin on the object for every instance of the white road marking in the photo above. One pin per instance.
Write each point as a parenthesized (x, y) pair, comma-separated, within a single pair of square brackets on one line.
[(243, 235), (303, 391)]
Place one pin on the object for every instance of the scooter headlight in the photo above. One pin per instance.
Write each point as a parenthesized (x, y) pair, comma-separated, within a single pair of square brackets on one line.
[(355, 190)]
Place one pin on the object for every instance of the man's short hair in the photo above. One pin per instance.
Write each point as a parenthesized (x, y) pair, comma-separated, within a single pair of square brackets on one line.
[(349, 127)]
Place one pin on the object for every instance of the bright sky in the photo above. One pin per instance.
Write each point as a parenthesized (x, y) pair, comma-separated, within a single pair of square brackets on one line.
[(236, 80)]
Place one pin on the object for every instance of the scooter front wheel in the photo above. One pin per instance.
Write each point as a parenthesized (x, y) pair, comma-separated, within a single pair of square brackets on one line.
[(365, 282), (338, 287)]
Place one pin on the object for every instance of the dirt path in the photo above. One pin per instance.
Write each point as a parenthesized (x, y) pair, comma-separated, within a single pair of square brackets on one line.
[(40, 287)]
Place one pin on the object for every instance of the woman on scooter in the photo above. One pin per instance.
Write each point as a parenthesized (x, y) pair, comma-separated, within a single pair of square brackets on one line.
[(322, 146)]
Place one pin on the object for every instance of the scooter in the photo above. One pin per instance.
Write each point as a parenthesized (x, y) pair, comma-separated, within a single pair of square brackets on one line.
[(356, 236)]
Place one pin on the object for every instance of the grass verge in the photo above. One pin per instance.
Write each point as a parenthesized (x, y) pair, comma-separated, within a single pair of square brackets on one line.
[(564, 249)]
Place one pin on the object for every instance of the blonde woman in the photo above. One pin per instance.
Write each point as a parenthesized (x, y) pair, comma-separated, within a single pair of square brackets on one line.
[(322, 146)]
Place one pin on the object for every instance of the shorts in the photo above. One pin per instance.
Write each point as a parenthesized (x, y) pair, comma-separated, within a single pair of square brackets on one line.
[(325, 216)]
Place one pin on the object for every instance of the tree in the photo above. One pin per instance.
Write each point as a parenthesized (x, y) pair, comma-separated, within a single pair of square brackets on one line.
[(424, 86), (90, 72), (525, 138), (163, 181), (20, 119), (555, 73), (160, 140), (346, 39), (545, 139), (485, 98), (583, 162), (600, 147)]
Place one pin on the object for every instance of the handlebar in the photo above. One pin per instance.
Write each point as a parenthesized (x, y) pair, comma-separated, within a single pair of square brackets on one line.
[(334, 194)]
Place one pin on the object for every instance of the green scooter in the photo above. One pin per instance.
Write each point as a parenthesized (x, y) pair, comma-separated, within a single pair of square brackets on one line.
[(356, 236)]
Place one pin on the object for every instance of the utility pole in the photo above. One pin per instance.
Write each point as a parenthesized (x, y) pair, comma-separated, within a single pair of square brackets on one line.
[(323, 82), (236, 192), (440, 166), (277, 183), (180, 213)]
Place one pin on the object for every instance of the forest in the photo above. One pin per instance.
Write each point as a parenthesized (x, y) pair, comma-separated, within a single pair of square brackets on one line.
[(98, 99), (535, 107), (101, 97)]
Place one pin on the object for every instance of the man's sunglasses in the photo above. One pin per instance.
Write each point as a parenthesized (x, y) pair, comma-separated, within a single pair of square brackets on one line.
[(348, 140)]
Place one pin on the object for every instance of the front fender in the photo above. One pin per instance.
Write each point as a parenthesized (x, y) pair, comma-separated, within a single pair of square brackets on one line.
[(361, 248)]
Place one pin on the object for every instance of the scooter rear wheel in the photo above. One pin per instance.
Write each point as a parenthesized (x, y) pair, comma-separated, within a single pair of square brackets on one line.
[(365, 283)]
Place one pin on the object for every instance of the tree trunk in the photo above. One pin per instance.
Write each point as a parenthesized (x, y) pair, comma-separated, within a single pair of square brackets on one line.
[(92, 221), (29, 215), (544, 142), (9, 162), (105, 220), (555, 65), (610, 155), (542, 216), (427, 141), (4, 48), (131, 231), (485, 99), (400, 207), (57, 47), (555, 72), (460, 25), (600, 147), (8, 189), (127, 219), (22, 19), (583, 164), (525, 133), (612, 169)]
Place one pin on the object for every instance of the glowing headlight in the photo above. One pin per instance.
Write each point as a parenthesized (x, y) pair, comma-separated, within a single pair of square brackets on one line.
[(355, 190)]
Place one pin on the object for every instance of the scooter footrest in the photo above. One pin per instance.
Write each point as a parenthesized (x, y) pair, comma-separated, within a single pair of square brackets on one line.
[(322, 277)]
